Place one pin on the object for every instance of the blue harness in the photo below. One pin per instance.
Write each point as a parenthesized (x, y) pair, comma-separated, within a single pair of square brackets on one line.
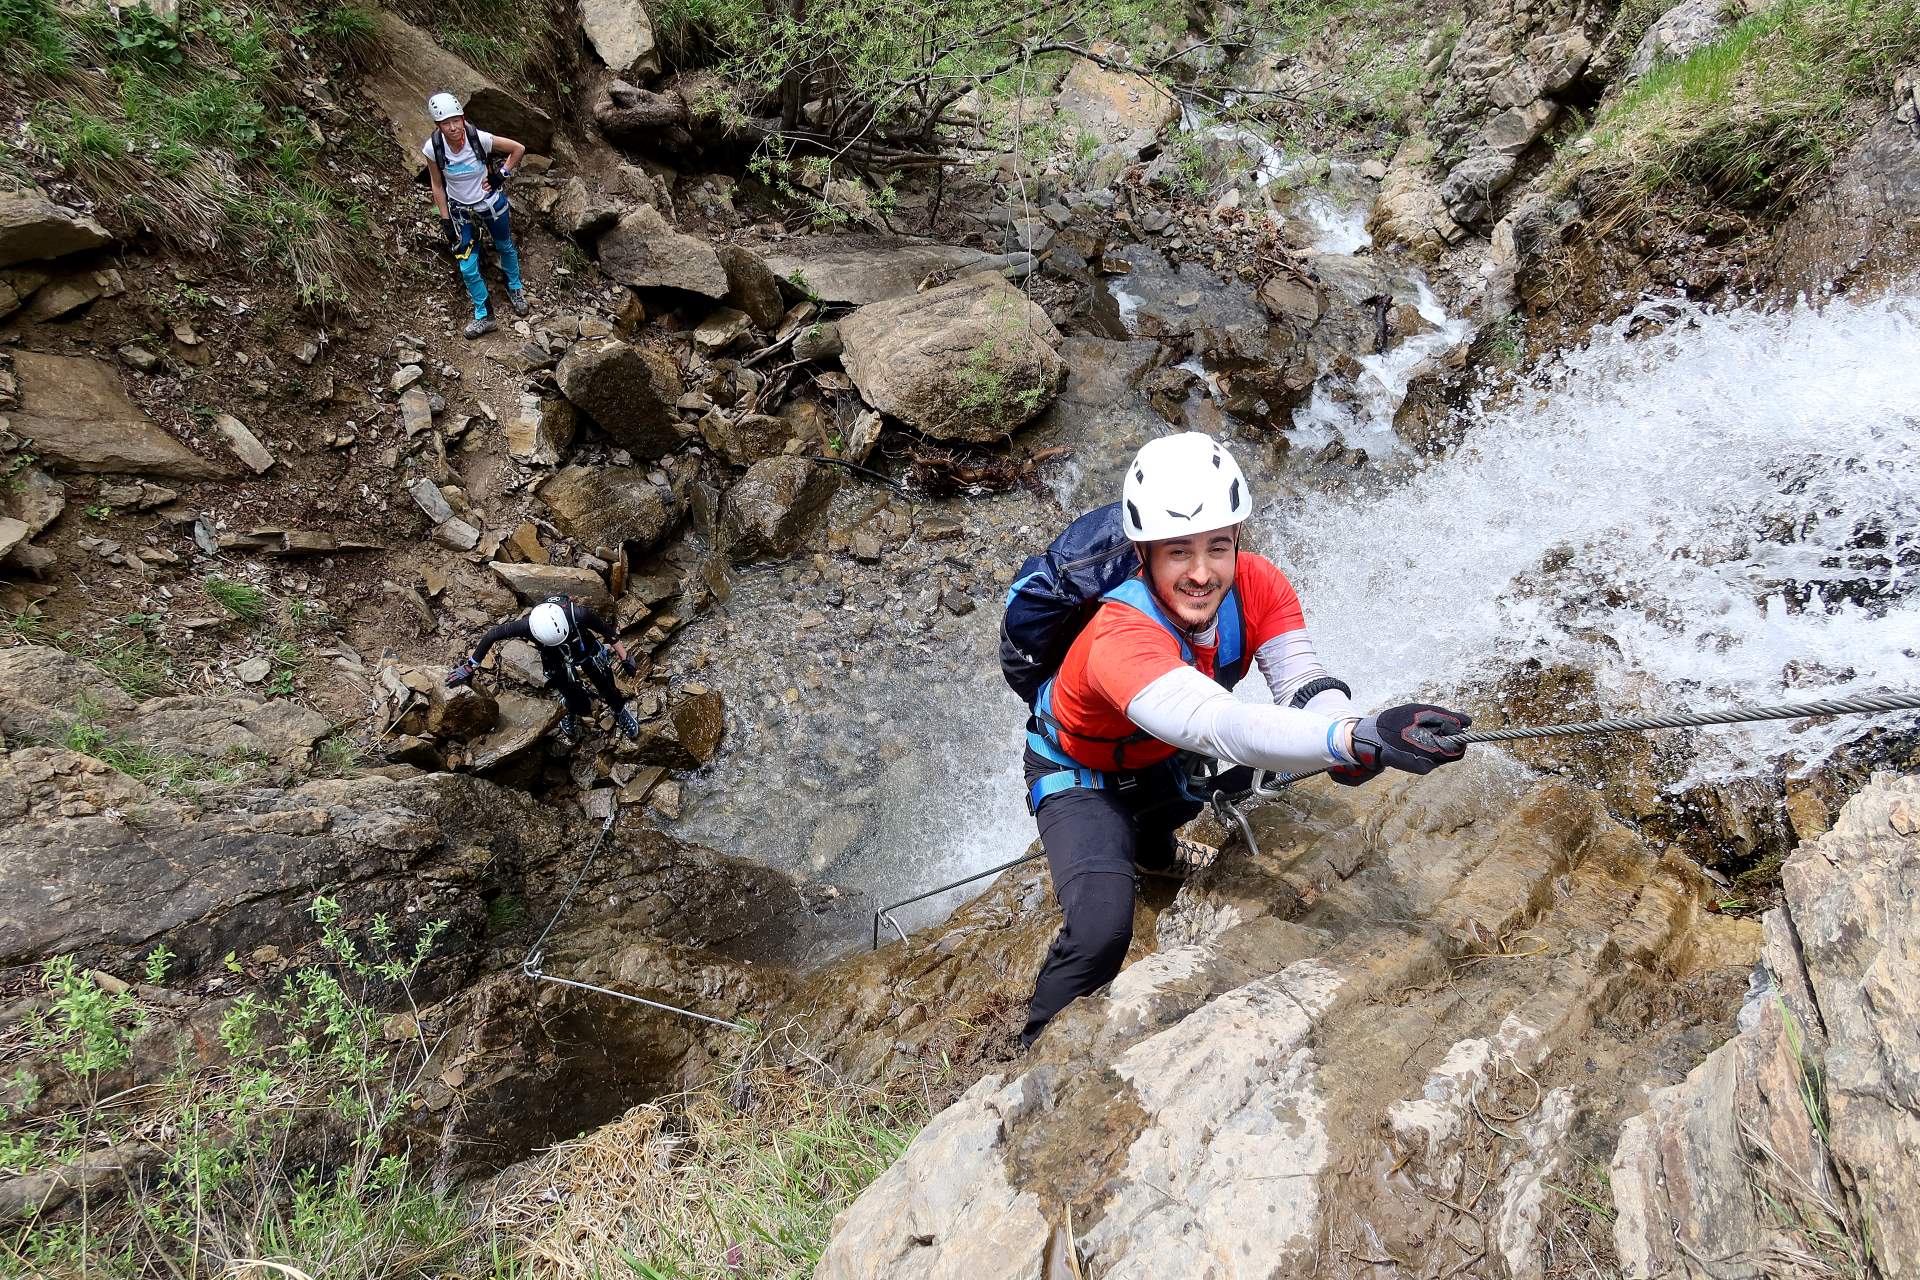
[(1043, 730)]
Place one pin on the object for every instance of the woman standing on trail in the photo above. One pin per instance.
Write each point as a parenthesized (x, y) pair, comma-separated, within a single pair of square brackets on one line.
[(467, 188), (1130, 724)]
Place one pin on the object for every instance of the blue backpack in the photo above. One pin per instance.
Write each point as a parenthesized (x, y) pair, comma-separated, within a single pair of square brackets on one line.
[(1057, 592)]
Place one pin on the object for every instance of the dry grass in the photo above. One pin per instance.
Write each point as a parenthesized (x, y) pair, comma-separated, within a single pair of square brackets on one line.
[(741, 1178)]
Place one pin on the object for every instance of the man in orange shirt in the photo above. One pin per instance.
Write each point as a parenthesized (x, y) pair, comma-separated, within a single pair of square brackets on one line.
[(1148, 679)]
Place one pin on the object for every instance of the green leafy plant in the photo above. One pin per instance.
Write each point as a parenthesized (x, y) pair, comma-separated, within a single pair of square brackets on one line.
[(155, 967)]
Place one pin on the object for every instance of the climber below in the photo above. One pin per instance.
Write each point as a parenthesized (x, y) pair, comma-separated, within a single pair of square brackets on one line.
[(468, 169), (569, 640), (1131, 713)]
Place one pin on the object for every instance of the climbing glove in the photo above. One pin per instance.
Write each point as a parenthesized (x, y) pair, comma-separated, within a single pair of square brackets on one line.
[(462, 673), (1408, 738), (630, 666), (453, 232)]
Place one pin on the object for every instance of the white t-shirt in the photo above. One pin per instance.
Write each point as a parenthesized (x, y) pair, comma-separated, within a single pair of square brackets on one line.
[(466, 173)]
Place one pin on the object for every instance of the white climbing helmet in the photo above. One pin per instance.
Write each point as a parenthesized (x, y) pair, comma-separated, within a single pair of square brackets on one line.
[(1182, 484), (444, 106), (548, 623)]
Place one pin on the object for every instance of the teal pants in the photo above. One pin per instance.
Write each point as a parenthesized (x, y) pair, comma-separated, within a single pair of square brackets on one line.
[(466, 251)]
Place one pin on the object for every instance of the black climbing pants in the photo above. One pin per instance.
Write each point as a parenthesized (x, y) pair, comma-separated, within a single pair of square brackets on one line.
[(572, 692), (1093, 838)]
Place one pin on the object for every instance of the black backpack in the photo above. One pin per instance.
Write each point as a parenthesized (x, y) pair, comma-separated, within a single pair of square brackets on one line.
[(487, 157)]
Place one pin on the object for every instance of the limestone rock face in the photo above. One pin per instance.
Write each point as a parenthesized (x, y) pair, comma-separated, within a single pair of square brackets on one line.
[(226, 727), (1864, 222), (1409, 212), (1115, 106), (769, 512), (43, 690), (79, 419), (414, 66), (971, 360), (1797, 1138), (1676, 33), (1297, 1071), (644, 251), (750, 438), (1500, 79), (622, 34), (857, 270), (33, 227), (603, 506), (630, 391)]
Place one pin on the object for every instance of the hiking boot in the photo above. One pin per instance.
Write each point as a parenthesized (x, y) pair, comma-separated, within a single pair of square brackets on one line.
[(569, 730), (517, 299), (629, 723), (1175, 870), (479, 325)]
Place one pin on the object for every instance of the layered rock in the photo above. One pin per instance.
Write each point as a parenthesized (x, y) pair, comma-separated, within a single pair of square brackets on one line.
[(412, 66), (80, 419), (33, 227), (971, 360), (1375, 1036), (858, 270), (1791, 1149), (1501, 80)]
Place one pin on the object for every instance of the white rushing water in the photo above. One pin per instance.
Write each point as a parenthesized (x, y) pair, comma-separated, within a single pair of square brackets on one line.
[(1696, 516)]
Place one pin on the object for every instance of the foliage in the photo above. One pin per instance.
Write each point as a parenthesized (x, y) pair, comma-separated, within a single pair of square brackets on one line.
[(125, 653), (193, 131), (1751, 119), (867, 82), (180, 774), (743, 1177), (282, 1158)]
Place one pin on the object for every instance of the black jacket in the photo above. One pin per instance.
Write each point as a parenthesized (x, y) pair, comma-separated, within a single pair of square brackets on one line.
[(589, 630)]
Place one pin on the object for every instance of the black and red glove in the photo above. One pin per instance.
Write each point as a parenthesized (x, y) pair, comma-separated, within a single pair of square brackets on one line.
[(1414, 738)]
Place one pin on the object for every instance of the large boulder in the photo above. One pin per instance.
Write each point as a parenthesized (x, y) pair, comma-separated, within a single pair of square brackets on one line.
[(44, 690), (532, 583), (630, 391), (540, 429), (747, 439), (1863, 224), (644, 251), (78, 417), (968, 361), (769, 512), (1114, 106), (412, 67), (606, 506), (1798, 1138), (857, 270), (622, 34), (581, 213), (33, 227)]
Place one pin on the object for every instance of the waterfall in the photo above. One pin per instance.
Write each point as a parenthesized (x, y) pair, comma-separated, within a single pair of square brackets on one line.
[(1726, 510)]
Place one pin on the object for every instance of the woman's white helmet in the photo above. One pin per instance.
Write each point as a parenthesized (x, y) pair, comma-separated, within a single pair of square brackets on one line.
[(548, 623), (444, 106), (1182, 484)]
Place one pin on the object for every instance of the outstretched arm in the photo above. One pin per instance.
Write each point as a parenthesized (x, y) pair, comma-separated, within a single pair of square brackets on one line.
[(1193, 713)]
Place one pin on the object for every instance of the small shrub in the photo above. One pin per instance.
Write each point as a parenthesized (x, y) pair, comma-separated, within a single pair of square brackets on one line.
[(282, 1159)]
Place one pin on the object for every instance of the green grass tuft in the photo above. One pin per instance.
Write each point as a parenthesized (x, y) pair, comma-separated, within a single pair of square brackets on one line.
[(1748, 121), (247, 603)]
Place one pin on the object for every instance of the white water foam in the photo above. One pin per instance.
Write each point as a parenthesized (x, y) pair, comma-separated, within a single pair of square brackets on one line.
[(1725, 512), (1363, 417)]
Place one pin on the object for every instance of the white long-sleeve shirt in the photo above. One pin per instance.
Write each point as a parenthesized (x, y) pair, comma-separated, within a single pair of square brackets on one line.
[(1190, 711)]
